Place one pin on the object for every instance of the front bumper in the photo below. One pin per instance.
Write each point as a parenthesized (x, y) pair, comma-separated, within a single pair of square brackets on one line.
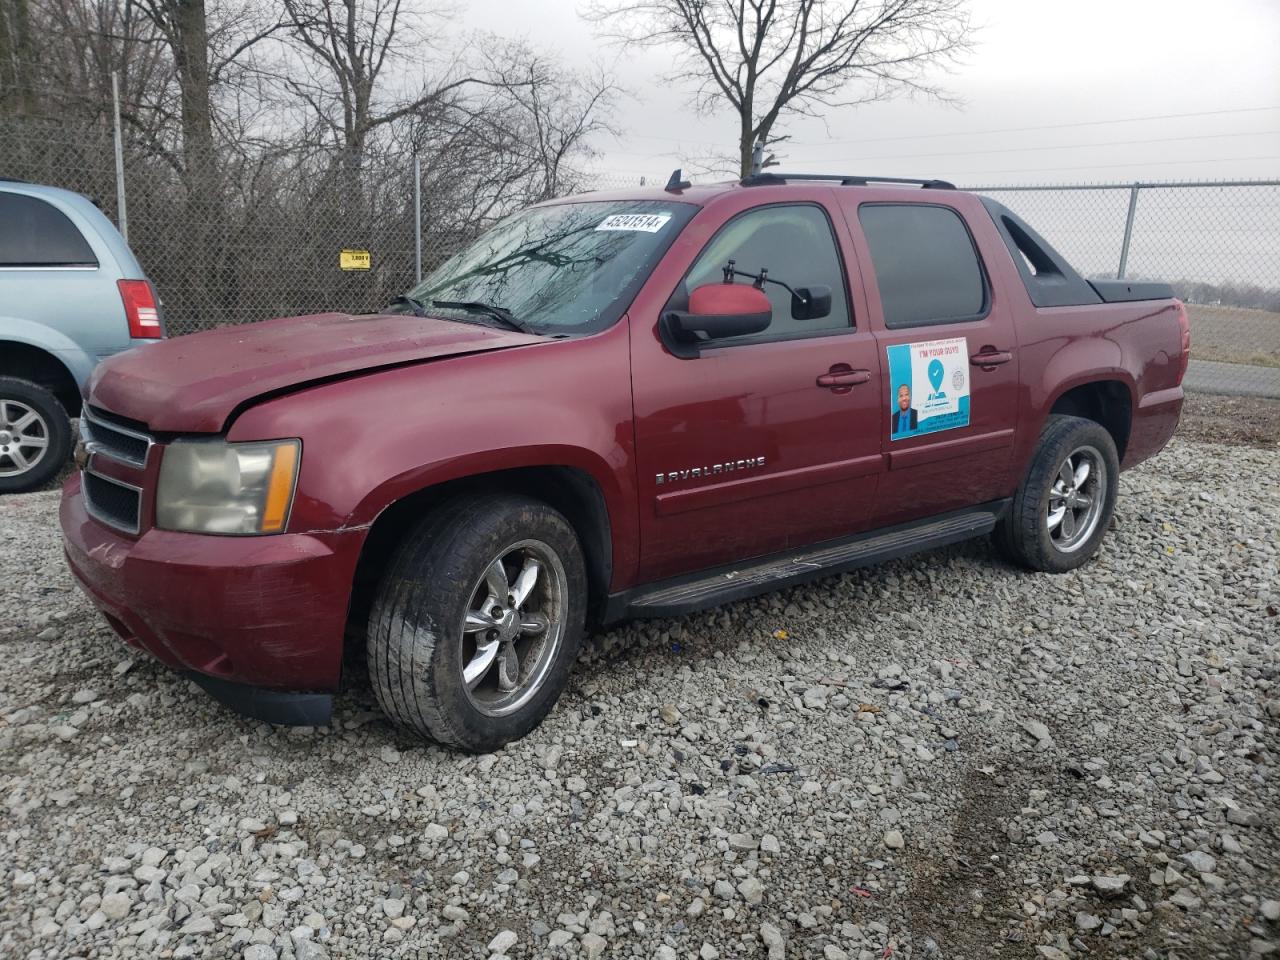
[(246, 612)]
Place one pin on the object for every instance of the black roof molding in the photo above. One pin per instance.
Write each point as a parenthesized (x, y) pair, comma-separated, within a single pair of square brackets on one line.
[(844, 179), (1126, 291), (1049, 279)]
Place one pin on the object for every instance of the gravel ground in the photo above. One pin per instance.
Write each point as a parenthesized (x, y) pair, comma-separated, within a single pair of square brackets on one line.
[(939, 757)]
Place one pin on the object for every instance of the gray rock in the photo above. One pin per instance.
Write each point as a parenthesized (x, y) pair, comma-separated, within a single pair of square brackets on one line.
[(115, 906), (1036, 729), (503, 941), (1200, 861), (1110, 886)]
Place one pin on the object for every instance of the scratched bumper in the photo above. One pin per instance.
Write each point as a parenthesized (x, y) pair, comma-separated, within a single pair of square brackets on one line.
[(267, 612)]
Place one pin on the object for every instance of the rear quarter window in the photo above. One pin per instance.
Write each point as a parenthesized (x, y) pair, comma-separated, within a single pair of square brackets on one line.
[(926, 266), (34, 233)]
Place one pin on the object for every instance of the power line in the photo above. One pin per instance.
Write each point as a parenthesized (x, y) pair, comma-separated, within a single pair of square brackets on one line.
[(1069, 146), (1048, 126), (974, 133), (1113, 166), (969, 153)]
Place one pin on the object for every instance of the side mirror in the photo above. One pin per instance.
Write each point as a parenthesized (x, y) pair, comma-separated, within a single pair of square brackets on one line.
[(717, 311), (811, 303)]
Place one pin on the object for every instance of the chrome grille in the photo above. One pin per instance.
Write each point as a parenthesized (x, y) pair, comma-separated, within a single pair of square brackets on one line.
[(114, 437), (112, 502)]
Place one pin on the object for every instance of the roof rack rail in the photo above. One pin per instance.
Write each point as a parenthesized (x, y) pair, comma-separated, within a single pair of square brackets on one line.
[(846, 180)]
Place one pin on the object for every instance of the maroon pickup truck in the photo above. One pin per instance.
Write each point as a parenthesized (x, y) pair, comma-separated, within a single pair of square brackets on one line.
[(632, 404)]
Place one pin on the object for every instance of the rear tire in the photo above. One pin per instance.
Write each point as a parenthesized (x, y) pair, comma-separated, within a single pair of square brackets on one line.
[(478, 620), (1061, 511), (35, 435)]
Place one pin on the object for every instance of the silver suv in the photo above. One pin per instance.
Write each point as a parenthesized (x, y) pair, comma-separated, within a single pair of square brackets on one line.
[(71, 293)]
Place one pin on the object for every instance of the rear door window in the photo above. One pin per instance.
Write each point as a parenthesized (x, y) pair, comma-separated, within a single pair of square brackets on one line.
[(34, 233), (926, 265)]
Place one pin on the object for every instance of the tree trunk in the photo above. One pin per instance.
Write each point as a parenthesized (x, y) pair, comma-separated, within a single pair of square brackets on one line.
[(190, 42), (17, 58), (746, 141), (191, 60)]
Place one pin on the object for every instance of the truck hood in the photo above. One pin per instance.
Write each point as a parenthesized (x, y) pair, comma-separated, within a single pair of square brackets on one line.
[(195, 383)]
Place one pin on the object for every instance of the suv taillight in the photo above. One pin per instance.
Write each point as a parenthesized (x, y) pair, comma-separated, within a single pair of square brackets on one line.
[(141, 309), (1184, 328)]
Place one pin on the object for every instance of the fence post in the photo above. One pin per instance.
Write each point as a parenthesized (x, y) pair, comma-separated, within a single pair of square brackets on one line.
[(417, 220), (122, 215), (1128, 231)]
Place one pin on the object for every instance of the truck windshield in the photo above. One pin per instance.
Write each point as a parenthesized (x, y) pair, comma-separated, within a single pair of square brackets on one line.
[(569, 268)]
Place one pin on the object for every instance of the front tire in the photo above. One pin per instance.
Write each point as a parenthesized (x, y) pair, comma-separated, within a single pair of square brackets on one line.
[(1062, 510), (478, 620), (35, 435)]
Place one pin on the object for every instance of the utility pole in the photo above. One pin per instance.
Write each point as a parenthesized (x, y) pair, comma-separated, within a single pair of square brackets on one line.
[(417, 220), (122, 215)]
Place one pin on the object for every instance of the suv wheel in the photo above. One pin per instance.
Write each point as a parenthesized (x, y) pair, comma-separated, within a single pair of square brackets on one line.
[(35, 435), (1063, 508), (477, 621)]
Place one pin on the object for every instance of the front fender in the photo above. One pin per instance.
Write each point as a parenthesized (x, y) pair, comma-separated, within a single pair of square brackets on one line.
[(372, 440)]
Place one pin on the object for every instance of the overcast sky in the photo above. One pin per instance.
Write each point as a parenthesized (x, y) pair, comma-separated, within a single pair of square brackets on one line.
[(1056, 66)]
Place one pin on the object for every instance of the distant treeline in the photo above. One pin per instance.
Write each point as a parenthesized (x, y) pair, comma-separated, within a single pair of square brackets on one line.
[(1251, 295)]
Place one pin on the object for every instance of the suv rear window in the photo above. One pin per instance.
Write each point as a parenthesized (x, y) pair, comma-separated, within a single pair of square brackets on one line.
[(926, 266), (36, 234)]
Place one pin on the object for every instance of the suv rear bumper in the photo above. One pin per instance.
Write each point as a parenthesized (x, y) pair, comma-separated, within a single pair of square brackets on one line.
[(247, 612)]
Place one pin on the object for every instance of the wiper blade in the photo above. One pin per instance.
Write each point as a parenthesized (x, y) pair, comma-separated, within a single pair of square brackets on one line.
[(501, 314), (416, 307)]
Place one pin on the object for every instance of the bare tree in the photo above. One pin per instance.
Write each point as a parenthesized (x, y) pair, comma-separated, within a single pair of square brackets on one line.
[(202, 55), (17, 57), (348, 82), (768, 59)]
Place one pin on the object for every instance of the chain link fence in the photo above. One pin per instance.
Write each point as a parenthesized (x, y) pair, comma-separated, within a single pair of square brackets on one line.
[(1217, 243), (262, 236)]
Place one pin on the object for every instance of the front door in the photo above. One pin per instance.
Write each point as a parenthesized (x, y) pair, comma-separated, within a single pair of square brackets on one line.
[(763, 442), (951, 366)]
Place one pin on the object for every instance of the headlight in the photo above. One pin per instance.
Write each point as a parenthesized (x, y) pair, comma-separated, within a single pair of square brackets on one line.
[(210, 486)]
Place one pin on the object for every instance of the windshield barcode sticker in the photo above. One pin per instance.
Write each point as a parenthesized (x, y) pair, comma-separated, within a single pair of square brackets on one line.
[(645, 222)]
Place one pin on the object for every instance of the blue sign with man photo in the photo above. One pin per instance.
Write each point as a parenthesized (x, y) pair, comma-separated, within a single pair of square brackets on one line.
[(928, 387)]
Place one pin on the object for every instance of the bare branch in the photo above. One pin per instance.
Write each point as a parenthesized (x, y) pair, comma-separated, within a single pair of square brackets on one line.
[(772, 59)]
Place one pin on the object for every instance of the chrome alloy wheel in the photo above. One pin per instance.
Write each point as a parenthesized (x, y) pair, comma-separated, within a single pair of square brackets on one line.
[(24, 438), (1076, 499), (513, 627)]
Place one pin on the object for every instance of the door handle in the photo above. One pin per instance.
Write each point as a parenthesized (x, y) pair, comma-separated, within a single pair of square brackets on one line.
[(991, 358), (843, 377)]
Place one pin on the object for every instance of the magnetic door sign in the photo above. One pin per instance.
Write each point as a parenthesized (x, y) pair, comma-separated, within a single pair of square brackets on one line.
[(928, 387), (354, 260)]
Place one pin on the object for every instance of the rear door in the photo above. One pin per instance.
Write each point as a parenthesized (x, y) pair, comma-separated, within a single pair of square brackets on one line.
[(52, 275), (763, 442), (947, 341)]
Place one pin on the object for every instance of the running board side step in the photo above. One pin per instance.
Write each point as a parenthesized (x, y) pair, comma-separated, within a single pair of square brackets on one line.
[(699, 591)]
